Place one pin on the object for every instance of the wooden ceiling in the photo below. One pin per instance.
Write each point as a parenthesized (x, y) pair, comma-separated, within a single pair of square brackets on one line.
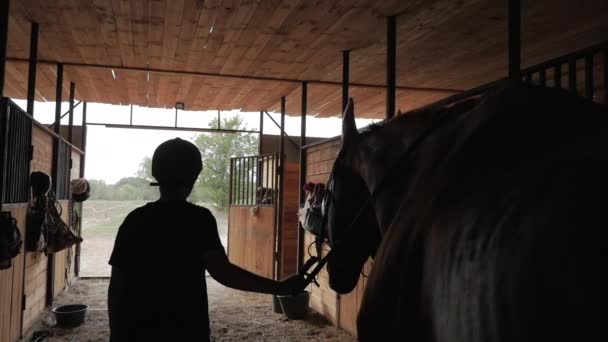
[(445, 45)]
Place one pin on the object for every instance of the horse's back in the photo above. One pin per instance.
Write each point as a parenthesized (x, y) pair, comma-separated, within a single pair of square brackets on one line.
[(506, 240)]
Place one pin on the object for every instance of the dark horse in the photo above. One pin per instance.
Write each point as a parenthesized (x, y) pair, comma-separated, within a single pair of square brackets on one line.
[(488, 216)]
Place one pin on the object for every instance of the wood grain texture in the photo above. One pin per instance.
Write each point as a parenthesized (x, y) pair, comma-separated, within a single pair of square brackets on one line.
[(11, 285), (251, 239), (440, 44)]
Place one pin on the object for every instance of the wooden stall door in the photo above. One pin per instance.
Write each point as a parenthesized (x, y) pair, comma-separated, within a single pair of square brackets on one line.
[(251, 238)]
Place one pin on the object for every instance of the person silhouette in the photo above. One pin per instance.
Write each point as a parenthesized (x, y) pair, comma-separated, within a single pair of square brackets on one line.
[(157, 289)]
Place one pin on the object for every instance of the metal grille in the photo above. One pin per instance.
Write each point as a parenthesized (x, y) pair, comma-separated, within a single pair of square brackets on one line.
[(584, 72), (254, 180), (15, 151), (64, 167)]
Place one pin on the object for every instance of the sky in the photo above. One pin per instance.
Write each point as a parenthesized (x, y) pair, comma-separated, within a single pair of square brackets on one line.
[(114, 153)]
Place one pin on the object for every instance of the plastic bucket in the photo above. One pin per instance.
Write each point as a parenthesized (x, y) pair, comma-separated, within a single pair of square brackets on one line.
[(295, 306), (69, 316), (276, 305)]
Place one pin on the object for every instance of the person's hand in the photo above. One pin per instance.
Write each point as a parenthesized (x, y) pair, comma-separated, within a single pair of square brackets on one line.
[(292, 285)]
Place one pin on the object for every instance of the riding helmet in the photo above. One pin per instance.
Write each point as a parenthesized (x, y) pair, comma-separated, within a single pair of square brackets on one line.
[(176, 162)]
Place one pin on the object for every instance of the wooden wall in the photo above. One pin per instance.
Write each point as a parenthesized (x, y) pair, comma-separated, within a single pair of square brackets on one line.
[(251, 237), (28, 277), (11, 285), (341, 310)]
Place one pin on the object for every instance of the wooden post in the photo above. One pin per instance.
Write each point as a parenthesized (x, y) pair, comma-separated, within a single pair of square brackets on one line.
[(31, 80), (4, 18), (391, 65), (514, 39)]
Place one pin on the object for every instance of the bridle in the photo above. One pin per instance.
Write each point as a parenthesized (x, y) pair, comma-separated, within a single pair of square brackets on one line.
[(329, 198)]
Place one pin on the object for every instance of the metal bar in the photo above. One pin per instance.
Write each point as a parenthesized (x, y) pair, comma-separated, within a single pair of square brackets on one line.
[(4, 19), (281, 189), (605, 76), (58, 89), (71, 115), (557, 76), (247, 182), (175, 126), (233, 76), (391, 65), (4, 114), (514, 39), (287, 135), (345, 77), (171, 128), (566, 58), (66, 113), (31, 79), (572, 76), (238, 179), (231, 176), (589, 87), (219, 120), (261, 137), (302, 175), (542, 77)]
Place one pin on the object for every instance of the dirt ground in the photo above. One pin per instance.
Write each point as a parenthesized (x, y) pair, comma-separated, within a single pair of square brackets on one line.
[(235, 316), (101, 220)]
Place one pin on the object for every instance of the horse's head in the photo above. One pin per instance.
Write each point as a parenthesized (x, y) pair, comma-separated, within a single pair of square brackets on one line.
[(352, 227)]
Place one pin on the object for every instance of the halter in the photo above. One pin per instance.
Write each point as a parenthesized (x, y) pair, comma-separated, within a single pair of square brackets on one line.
[(329, 197)]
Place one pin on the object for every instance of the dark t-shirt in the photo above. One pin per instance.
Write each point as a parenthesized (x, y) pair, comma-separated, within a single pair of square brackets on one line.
[(159, 249)]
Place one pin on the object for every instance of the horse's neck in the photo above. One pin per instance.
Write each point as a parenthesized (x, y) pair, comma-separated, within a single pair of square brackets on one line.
[(385, 158)]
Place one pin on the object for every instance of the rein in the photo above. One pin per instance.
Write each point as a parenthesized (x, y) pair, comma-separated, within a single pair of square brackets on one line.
[(329, 196)]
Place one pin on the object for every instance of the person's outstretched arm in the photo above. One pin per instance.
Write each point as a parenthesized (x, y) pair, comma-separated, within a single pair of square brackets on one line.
[(230, 275)]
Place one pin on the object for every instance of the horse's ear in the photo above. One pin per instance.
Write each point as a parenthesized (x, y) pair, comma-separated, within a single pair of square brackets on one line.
[(349, 128)]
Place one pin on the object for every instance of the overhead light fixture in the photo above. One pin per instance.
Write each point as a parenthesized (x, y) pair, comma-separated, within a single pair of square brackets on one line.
[(180, 105), (148, 76), (113, 74), (211, 29), (205, 46)]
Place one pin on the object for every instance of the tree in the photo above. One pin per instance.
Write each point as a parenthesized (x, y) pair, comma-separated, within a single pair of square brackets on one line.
[(145, 169), (216, 149)]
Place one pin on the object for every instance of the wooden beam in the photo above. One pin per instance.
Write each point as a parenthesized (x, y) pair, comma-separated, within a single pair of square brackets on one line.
[(234, 76), (31, 79), (391, 65), (4, 18)]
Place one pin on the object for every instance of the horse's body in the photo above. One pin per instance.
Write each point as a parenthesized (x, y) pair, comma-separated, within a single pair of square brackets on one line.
[(493, 220)]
